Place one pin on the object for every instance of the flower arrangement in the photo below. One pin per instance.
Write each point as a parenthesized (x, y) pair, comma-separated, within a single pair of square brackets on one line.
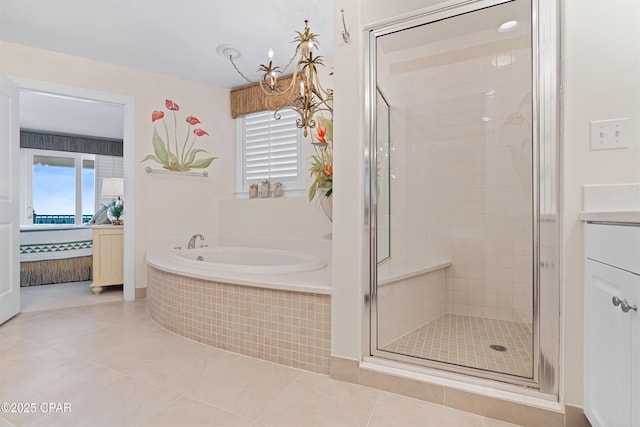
[(168, 154), (321, 169), (115, 210)]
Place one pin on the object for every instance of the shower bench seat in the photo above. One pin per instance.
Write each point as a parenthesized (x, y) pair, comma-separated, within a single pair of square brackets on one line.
[(410, 293), (394, 269)]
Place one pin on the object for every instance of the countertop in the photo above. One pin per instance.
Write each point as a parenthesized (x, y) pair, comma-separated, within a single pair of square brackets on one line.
[(624, 217)]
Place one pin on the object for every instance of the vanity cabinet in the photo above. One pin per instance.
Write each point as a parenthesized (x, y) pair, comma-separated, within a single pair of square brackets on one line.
[(612, 325), (108, 256)]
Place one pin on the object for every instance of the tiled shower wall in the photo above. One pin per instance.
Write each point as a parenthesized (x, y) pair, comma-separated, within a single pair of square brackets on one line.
[(462, 173)]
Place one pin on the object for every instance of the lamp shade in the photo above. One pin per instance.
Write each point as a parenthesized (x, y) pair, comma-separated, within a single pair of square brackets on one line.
[(112, 187)]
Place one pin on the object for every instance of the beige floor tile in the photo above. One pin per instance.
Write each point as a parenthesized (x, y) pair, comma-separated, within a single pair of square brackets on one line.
[(70, 380), (122, 314), (18, 365), (61, 295), (395, 410), (490, 422), (187, 412), (86, 344), (185, 366), (245, 387), (119, 368), (15, 347), (126, 402), (317, 400), (131, 354), (47, 327)]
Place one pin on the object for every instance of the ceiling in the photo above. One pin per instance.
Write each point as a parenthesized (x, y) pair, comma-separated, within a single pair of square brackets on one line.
[(177, 38), (62, 114)]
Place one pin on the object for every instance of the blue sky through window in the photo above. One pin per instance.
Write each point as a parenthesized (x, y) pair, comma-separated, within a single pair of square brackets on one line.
[(54, 190)]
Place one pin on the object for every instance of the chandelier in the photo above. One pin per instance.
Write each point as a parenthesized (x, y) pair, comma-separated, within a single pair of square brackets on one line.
[(304, 92)]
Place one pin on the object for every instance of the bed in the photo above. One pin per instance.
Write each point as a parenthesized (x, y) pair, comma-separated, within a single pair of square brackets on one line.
[(55, 253)]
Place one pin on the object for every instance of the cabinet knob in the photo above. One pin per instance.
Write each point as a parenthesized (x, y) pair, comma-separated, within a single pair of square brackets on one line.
[(624, 304), (626, 307)]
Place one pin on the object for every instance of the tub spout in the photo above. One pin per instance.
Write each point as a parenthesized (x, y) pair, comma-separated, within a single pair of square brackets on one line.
[(192, 240)]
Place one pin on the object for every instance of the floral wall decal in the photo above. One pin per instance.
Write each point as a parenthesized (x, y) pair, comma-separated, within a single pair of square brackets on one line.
[(167, 152)]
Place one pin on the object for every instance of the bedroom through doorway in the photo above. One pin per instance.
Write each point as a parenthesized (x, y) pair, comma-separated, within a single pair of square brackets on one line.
[(70, 147)]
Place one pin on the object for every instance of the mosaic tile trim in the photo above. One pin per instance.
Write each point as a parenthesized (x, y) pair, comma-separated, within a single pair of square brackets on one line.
[(285, 327), (55, 247)]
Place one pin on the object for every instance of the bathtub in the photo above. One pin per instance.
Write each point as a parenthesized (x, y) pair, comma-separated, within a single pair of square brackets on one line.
[(249, 260), (268, 299), (291, 265)]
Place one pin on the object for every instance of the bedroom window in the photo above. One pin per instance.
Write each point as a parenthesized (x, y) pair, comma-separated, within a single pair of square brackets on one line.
[(59, 187), (269, 149)]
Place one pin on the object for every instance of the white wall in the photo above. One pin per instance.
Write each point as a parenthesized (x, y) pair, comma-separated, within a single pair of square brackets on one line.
[(601, 81), (349, 264), (281, 218)]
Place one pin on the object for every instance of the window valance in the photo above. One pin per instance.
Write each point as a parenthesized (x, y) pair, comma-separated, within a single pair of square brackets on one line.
[(251, 99), (72, 143)]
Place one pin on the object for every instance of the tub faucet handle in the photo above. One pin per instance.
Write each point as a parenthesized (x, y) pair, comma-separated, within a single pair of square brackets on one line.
[(192, 240)]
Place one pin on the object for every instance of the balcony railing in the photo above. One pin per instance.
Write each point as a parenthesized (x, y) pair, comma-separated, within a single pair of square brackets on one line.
[(58, 219)]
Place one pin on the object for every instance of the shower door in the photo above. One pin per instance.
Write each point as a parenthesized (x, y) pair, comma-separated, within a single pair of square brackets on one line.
[(458, 287)]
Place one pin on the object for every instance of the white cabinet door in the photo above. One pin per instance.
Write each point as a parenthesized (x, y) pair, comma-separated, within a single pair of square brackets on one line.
[(612, 347)]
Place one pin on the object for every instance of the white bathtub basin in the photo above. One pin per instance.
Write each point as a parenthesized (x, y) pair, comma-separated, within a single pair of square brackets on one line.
[(248, 260)]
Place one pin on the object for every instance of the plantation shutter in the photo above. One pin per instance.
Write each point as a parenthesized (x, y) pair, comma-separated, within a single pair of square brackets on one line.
[(272, 149)]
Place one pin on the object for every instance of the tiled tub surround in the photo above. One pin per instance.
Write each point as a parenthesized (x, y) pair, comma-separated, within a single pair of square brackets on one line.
[(286, 327), (283, 318)]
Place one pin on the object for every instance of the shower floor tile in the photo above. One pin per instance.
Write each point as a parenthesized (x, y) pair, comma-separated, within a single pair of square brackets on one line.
[(465, 340)]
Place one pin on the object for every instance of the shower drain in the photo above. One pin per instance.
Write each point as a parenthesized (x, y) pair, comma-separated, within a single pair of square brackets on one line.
[(498, 347)]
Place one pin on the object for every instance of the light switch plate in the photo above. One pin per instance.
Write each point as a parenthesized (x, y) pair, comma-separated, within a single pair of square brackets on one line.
[(609, 134)]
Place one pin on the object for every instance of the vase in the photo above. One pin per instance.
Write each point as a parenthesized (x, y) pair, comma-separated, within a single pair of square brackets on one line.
[(326, 203)]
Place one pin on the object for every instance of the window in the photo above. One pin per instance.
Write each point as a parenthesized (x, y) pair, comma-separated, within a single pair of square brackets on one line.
[(59, 183), (270, 149), (60, 187)]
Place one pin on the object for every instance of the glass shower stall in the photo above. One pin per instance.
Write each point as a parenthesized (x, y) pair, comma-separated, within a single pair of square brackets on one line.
[(460, 188)]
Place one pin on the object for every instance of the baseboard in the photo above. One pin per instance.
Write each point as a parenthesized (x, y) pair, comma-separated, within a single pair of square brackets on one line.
[(350, 370), (141, 293)]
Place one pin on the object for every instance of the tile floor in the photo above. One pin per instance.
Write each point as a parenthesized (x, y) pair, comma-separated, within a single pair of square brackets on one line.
[(115, 367), (61, 295), (465, 340)]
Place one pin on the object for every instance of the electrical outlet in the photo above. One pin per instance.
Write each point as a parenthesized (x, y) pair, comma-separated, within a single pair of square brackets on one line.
[(609, 134)]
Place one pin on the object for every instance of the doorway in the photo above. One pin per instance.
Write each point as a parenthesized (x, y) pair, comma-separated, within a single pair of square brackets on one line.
[(79, 293)]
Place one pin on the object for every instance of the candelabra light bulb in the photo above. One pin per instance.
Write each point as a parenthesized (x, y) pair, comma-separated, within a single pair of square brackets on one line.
[(270, 53)]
